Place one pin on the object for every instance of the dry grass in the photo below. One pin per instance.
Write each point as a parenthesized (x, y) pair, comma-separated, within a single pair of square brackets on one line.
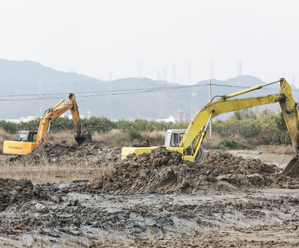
[(118, 138), (66, 136), (5, 136), (52, 173), (211, 142), (111, 138), (284, 150), (155, 138)]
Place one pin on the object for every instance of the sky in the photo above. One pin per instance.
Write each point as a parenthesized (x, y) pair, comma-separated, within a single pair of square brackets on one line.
[(130, 38)]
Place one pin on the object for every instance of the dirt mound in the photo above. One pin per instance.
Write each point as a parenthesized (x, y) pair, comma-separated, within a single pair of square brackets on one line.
[(17, 191), (164, 171), (63, 154)]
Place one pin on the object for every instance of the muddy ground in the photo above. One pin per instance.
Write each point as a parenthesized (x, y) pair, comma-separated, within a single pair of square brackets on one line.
[(153, 200)]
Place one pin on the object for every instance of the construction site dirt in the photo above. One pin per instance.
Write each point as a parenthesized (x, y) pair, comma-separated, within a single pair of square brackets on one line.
[(232, 199)]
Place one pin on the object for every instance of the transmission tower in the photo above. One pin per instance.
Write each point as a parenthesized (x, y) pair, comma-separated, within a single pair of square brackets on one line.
[(174, 72), (189, 73), (110, 76), (165, 73), (158, 75)]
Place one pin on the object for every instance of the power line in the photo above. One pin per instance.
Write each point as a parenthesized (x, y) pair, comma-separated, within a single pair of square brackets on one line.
[(104, 93), (118, 92)]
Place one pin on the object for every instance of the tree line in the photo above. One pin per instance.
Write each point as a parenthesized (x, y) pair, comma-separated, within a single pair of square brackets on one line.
[(257, 127)]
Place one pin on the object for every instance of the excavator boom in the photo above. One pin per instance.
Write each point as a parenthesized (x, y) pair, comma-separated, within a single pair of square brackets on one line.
[(225, 104)]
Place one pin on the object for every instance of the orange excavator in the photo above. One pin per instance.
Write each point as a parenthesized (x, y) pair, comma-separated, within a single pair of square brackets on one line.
[(28, 140)]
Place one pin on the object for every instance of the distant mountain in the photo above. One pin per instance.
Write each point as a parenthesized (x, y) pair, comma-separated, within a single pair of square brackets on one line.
[(25, 83)]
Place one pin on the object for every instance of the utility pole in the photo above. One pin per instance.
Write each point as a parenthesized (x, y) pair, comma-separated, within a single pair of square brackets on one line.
[(210, 99), (194, 94), (165, 73)]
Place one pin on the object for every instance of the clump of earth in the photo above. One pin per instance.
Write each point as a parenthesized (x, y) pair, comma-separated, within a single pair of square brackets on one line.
[(18, 191), (160, 170), (62, 154), (164, 171)]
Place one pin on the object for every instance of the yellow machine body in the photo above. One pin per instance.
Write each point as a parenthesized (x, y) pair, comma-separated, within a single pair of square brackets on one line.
[(18, 147)]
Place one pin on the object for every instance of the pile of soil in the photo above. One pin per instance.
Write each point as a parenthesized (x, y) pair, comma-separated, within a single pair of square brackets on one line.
[(63, 154), (163, 171), (19, 191)]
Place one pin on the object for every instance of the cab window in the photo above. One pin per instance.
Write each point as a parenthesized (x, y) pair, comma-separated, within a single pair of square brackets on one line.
[(174, 139), (23, 136)]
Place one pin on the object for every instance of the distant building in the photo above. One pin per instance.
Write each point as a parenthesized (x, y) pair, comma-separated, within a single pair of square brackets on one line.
[(180, 117)]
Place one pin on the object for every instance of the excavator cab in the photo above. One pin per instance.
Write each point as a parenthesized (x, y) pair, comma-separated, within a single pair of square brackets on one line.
[(29, 136), (173, 138)]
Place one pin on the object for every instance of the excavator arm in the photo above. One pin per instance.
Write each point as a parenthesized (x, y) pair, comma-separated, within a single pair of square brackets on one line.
[(24, 146), (197, 127), (54, 112)]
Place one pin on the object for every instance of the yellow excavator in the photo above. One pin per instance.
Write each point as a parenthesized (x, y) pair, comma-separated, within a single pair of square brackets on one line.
[(28, 140), (189, 143)]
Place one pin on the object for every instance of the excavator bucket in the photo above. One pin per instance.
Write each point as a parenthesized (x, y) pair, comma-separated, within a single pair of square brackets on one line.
[(81, 138), (292, 169)]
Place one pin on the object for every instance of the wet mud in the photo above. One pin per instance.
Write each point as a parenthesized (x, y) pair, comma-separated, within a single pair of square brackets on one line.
[(152, 200)]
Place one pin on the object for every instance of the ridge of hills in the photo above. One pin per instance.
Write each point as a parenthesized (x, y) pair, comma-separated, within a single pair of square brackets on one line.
[(24, 83)]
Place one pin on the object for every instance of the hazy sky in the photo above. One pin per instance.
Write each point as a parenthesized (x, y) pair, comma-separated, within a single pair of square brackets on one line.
[(97, 37)]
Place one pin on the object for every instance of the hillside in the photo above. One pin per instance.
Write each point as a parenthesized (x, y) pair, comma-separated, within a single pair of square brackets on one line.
[(24, 83)]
